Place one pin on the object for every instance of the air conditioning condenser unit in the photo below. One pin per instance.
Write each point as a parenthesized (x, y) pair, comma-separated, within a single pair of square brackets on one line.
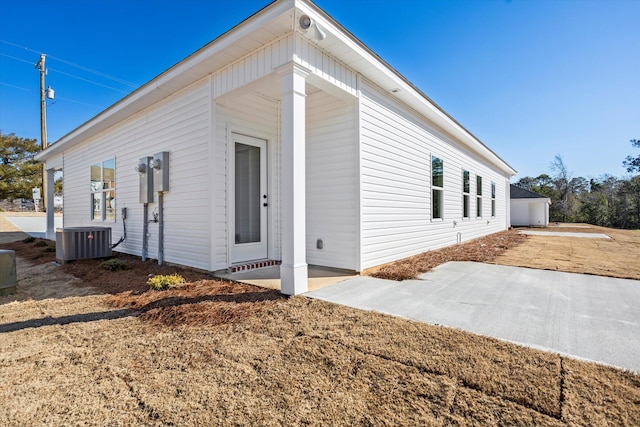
[(82, 243)]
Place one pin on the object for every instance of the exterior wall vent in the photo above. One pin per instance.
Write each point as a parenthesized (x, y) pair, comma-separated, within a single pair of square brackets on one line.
[(82, 243)]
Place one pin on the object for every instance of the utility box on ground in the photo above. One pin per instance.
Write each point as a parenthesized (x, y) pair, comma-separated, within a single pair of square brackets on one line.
[(8, 276)]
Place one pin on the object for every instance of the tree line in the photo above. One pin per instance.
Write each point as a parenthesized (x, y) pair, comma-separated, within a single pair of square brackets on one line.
[(606, 200)]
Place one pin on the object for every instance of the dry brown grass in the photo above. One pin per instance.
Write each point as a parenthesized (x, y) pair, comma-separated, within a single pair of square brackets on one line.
[(217, 353), (485, 249), (297, 361), (615, 257)]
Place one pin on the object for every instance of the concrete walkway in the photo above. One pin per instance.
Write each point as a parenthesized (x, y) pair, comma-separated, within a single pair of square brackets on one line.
[(565, 234), (590, 317), (34, 225)]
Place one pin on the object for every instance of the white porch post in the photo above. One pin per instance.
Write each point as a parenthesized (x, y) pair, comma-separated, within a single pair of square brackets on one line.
[(51, 228), (293, 270)]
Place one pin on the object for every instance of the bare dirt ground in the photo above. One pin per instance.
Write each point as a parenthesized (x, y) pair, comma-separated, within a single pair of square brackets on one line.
[(102, 350)]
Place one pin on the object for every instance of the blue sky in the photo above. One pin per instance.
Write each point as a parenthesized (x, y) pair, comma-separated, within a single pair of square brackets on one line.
[(529, 78)]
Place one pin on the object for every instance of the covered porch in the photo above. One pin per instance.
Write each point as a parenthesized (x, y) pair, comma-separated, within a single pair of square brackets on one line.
[(269, 277), (307, 208)]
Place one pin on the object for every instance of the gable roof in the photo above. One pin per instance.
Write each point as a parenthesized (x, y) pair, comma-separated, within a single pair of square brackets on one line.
[(268, 24), (521, 193)]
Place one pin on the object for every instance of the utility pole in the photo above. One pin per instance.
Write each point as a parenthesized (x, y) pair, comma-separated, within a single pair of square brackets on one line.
[(43, 127)]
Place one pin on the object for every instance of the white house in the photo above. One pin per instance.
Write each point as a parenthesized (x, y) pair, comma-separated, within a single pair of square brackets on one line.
[(529, 209), (288, 140)]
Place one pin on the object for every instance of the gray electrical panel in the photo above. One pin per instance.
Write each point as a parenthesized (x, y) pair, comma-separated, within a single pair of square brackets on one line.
[(160, 164), (146, 180)]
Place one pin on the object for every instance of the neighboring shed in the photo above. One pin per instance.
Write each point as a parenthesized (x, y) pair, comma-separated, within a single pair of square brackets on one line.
[(288, 141), (528, 209)]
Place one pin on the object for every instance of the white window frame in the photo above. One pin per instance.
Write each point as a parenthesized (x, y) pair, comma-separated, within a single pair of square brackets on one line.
[(437, 192), (478, 196), (102, 192), (466, 194), (493, 199)]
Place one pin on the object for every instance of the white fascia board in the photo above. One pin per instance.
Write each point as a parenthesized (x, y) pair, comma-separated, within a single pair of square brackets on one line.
[(409, 94), (191, 69)]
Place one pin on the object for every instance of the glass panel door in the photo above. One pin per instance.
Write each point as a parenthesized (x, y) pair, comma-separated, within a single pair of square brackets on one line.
[(248, 199), (247, 193)]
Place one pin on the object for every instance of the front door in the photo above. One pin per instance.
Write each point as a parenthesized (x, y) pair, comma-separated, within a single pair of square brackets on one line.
[(248, 171)]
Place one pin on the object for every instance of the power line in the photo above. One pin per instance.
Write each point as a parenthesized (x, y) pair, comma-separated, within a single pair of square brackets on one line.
[(79, 102), (107, 76), (67, 74), (15, 87), (89, 70), (86, 80), (16, 58)]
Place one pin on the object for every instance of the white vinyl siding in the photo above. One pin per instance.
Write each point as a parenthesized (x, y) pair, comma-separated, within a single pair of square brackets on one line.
[(253, 66), (332, 175), (396, 149), (326, 67), (178, 124)]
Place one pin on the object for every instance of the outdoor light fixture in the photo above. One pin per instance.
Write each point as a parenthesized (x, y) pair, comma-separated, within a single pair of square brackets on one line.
[(306, 23)]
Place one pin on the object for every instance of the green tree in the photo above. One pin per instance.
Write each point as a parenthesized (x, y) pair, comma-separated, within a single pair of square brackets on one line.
[(57, 185), (19, 172), (633, 163)]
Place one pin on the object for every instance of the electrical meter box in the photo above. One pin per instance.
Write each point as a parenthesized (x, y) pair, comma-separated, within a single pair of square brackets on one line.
[(160, 165), (146, 180)]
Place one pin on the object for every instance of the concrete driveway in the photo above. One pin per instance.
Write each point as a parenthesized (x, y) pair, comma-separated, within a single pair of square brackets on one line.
[(590, 317), (34, 225)]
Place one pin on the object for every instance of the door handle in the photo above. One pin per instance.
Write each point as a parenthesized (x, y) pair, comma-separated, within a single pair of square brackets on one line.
[(265, 204)]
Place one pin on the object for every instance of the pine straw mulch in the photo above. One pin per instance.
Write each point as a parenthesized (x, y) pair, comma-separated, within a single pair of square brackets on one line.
[(205, 302), (201, 300), (485, 249)]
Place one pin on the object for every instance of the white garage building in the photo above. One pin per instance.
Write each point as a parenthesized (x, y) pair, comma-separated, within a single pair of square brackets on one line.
[(529, 209)]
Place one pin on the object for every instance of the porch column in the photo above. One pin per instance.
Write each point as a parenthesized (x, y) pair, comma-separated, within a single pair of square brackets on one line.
[(293, 270), (51, 228)]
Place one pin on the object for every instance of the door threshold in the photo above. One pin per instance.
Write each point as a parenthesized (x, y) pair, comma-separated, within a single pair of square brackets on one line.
[(253, 265)]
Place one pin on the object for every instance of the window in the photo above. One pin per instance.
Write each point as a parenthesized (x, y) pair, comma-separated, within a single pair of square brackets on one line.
[(466, 187), (437, 184), (103, 189), (479, 196), (493, 199)]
